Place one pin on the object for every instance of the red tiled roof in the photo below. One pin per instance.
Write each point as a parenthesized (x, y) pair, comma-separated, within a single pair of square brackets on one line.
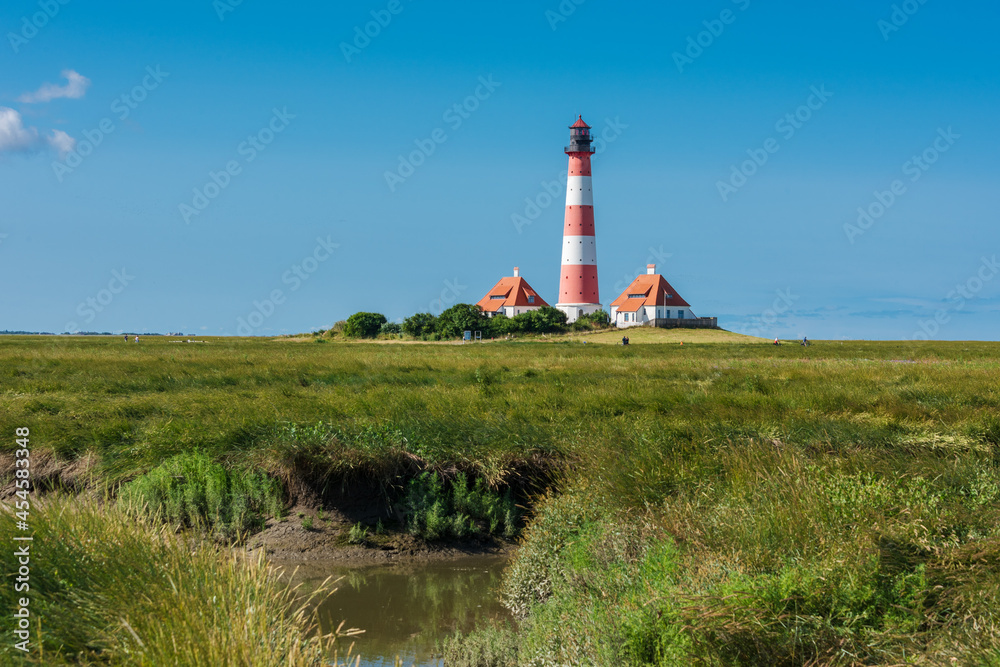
[(579, 123), (654, 290), (515, 291)]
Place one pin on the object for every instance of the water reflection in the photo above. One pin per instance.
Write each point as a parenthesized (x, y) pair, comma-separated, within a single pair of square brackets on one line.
[(406, 610)]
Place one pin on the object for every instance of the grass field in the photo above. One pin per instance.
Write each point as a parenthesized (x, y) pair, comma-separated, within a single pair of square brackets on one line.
[(647, 335), (721, 502)]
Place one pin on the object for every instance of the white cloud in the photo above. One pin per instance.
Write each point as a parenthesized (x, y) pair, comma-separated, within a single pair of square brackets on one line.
[(75, 88), (62, 142), (14, 136)]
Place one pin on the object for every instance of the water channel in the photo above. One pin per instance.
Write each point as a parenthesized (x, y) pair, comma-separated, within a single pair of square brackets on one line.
[(406, 610)]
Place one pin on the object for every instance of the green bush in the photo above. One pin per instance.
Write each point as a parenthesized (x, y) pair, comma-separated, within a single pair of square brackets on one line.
[(435, 510), (542, 320), (192, 490), (419, 325), (596, 320), (364, 325), (391, 329), (460, 318)]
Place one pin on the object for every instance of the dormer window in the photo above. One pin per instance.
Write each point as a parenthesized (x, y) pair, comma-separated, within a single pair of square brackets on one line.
[(637, 296), (531, 299), (498, 296)]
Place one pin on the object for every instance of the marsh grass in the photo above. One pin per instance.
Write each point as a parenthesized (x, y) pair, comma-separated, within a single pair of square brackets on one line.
[(718, 504), (436, 509), (769, 554), (107, 589), (191, 490)]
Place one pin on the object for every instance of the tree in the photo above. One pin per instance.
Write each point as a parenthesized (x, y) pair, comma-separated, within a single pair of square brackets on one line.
[(595, 320), (364, 325), (543, 320), (391, 328), (419, 325), (498, 325), (523, 323), (548, 319), (461, 317)]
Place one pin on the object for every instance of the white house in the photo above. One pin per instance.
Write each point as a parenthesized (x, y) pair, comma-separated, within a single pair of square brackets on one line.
[(650, 297), (511, 296)]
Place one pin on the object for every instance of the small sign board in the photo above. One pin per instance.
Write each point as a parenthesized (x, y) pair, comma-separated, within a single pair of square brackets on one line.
[(468, 336)]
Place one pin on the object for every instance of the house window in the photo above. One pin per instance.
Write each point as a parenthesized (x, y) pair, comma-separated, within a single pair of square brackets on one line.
[(637, 296), (680, 314), (531, 299), (668, 313), (498, 296)]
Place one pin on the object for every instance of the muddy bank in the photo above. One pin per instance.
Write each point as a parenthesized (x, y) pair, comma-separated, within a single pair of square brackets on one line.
[(327, 539), (316, 528)]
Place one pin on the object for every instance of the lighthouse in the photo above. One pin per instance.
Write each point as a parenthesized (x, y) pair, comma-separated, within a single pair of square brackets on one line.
[(578, 293)]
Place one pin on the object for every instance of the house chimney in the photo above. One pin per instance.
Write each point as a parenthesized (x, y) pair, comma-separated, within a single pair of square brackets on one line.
[(517, 272), (650, 269)]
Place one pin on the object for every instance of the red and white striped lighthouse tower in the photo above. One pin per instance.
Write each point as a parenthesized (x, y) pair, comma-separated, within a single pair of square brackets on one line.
[(578, 293)]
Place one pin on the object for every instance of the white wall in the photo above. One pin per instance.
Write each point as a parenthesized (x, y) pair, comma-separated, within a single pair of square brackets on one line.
[(574, 312), (511, 311), (647, 314)]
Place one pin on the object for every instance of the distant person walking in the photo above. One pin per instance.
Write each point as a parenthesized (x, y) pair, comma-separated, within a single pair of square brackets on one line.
[(126, 338), (137, 339), (805, 342), (776, 342)]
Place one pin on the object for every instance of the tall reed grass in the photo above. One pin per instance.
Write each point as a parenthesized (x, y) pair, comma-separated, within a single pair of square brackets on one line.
[(107, 589)]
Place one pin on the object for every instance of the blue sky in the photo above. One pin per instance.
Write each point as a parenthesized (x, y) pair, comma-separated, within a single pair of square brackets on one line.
[(287, 122)]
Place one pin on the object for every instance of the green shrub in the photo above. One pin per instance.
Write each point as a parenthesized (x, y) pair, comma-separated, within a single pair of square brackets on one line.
[(542, 320), (364, 325), (435, 510), (391, 329), (460, 318), (596, 320), (420, 325), (192, 490)]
